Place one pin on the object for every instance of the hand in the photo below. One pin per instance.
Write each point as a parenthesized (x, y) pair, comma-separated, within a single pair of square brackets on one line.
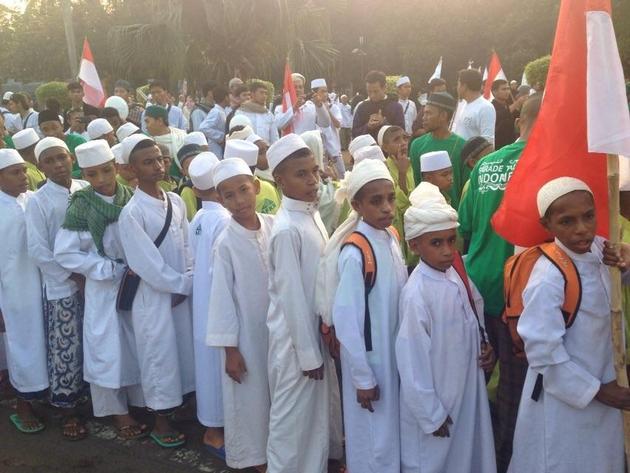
[(300, 102), (617, 255), (376, 120), (487, 358), (316, 374), (614, 395), (177, 299), (234, 364), (443, 431), (366, 396), (402, 163), (330, 340)]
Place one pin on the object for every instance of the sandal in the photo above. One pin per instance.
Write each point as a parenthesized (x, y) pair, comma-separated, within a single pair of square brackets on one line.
[(161, 439), (20, 424), (133, 431), (73, 429)]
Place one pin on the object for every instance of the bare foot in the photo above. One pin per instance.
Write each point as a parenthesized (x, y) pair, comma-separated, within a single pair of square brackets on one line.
[(214, 437)]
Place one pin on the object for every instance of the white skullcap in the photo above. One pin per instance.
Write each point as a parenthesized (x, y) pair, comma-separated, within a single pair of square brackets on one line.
[(201, 169), (117, 151), (47, 143), (281, 149), (245, 150), (195, 138), (93, 153), (381, 134), (402, 81), (9, 157), (317, 83), (119, 104), (98, 127), (557, 188), (25, 138), (359, 142), (228, 168), (125, 130), (239, 120), (434, 161), (362, 173), (369, 153), (429, 212), (254, 138), (130, 143), (241, 134), (297, 75), (7, 96)]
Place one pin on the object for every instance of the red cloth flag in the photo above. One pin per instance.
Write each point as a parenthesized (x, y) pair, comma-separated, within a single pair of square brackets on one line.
[(92, 87), (493, 72), (289, 95)]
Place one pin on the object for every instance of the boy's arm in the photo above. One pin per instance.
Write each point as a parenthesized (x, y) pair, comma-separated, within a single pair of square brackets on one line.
[(209, 127), (223, 324)]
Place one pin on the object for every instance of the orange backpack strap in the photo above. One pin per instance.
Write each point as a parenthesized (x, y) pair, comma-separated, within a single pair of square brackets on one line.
[(393, 231), (460, 269)]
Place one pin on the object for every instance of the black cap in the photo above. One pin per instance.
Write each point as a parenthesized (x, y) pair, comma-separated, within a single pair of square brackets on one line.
[(48, 116), (473, 147), (188, 151), (443, 100)]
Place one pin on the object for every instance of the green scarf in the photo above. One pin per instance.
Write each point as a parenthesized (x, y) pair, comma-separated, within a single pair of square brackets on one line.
[(87, 212)]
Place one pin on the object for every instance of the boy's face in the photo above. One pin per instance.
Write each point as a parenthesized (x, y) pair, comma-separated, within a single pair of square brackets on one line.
[(376, 203), (404, 91), (52, 128), (122, 92), (147, 165), (298, 178), (442, 178), (259, 96), (76, 95), (431, 118), (159, 95), (166, 160), (375, 91), (185, 164), (571, 219), (394, 142), (437, 249), (238, 195), (115, 121), (154, 126), (126, 172), (56, 164), (76, 122), (13, 180), (102, 178)]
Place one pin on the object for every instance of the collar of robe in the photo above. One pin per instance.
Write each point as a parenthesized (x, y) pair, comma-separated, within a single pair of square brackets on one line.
[(371, 232), (246, 232), (299, 205), (590, 257)]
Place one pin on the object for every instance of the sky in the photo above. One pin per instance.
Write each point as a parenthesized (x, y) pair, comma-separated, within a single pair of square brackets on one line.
[(13, 3)]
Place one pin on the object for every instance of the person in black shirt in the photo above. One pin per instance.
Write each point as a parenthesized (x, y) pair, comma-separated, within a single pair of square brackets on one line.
[(75, 93), (378, 109), (504, 130)]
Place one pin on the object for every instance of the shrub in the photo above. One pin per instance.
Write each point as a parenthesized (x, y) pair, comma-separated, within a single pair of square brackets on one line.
[(53, 90), (536, 71)]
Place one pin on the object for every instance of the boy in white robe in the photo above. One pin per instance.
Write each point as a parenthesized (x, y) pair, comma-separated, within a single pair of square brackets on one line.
[(441, 351), (238, 315), (88, 243), (205, 228), (575, 425), (63, 289), (161, 314), (20, 296)]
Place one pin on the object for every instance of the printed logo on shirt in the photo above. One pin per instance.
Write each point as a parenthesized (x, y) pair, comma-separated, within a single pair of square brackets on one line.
[(494, 176), (268, 206), (198, 230)]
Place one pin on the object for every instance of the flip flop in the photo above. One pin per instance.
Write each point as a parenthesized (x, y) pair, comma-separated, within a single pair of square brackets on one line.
[(143, 431), (217, 452), (17, 422), (73, 421), (159, 439)]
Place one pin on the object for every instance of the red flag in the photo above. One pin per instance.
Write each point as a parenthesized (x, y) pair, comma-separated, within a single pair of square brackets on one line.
[(289, 96), (92, 87), (558, 144), (494, 72)]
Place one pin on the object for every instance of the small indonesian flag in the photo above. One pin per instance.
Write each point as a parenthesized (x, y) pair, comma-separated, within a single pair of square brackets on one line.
[(437, 74), (289, 96), (88, 76), (493, 72)]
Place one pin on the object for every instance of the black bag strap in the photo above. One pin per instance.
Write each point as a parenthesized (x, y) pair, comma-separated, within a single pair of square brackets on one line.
[(167, 223), (25, 120)]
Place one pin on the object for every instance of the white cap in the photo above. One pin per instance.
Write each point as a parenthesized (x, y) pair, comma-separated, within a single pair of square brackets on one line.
[(98, 127), (7, 96), (557, 188), (362, 173), (253, 138), (368, 152), (25, 138), (381, 134), (297, 75), (117, 151), (245, 150), (434, 161), (239, 120), (428, 212), (317, 83), (125, 130), (9, 157), (402, 81), (241, 134), (93, 153), (228, 168), (119, 104), (359, 142), (195, 138), (47, 143), (281, 149), (130, 143), (201, 169)]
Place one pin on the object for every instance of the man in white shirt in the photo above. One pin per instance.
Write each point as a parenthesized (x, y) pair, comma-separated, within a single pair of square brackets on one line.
[(25, 116), (475, 116), (263, 122), (213, 126), (306, 115), (160, 97), (201, 109), (346, 121), (409, 107)]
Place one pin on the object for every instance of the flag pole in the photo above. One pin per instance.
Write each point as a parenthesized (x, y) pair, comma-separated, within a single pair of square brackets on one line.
[(619, 348)]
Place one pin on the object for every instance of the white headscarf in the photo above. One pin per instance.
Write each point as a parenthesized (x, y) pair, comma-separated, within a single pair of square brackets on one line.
[(429, 212), (313, 140)]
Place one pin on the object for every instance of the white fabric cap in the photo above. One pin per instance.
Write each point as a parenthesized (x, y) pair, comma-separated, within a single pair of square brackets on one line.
[(362, 173), (281, 149), (381, 134), (7, 96), (241, 134), (130, 143), (317, 83), (47, 143), (557, 188), (402, 81), (228, 168), (9, 157), (117, 151), (297, 75), (254, 138), (98, 127), (201, 169), (93, 153), (119, 104), (25, 138), (195, 138), (434, 161), (239, 120), (369, 153), (245, 150), (359, 142), (125, 130), (429, 212)]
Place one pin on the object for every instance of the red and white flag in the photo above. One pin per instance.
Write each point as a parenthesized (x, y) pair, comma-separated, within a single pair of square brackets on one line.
[(92, 87), (289, 95), (584, 114), (493, 72)]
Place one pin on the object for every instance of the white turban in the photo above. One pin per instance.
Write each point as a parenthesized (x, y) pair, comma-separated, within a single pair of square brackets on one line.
[(98, 127), (369, 153), (381, 134), (359, 142), (557, 188), (429, 212), (195, 138), (239, 120), (9, 157), (47, 143), (242, 134)]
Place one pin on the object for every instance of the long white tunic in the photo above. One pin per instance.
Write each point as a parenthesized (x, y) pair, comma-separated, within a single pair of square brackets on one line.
[(567, 430), (21, 300), (372, 438), (410, 113), (309, 118), (263, 124), (213, 126), (437, 351), (237, 318), (205, 228), (163, 334)]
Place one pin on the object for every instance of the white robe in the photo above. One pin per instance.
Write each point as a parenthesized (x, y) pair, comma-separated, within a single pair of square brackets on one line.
[(237, 318), (163, 334), (567, 430), (372, 438), (410, 113), (21, 300), (308, 119), (437, 351), (205, 228), (263, 124)]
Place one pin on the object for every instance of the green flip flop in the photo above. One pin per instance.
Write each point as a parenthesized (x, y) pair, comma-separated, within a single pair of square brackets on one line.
[(17, 422), (159, 439)]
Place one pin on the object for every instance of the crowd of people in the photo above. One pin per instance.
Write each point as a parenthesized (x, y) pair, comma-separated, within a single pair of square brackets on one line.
[(297, 276)]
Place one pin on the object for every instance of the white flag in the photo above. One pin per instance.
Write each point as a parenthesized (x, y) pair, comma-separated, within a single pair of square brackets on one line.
[(437, 74)]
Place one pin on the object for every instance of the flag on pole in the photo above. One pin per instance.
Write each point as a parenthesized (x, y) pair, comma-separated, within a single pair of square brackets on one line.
[(493, 72), (289, 95), (524, 79), (437, 74), (581, 118), (88, 76), (484, 77)]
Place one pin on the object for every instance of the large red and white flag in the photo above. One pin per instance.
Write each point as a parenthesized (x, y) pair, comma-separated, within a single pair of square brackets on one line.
[(289, 95), (584, 114), (493, 72), (88, 76)]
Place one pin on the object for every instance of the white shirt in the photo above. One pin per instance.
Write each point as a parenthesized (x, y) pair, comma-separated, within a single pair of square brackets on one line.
[(263, 124), (176, 118), (308, 119), (410, 112), (346, 115), (477, 118), (174, 140)]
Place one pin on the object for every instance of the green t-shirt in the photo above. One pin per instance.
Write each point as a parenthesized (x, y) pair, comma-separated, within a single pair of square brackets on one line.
[(190, 199), (453, 146), (268, 200), (8, 141), (402, 204), (34, 175), (488, 252), (73, 141)]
